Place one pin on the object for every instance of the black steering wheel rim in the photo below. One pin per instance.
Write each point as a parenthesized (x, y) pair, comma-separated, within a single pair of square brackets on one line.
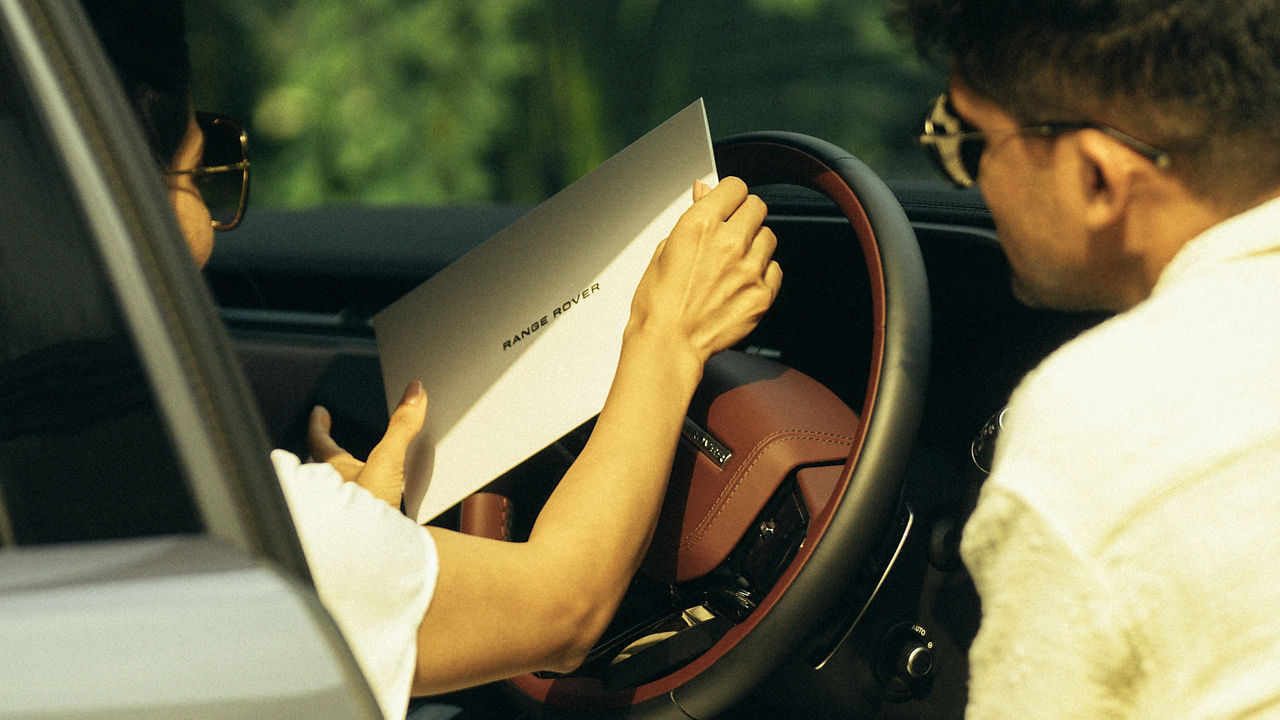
[(871, 481)]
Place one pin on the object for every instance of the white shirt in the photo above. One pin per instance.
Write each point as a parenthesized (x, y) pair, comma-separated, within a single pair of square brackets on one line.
[(1127, 544), (374, 570)]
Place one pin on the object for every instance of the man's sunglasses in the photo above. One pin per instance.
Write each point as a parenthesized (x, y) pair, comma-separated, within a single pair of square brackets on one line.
[(956, 147), (223, 174)]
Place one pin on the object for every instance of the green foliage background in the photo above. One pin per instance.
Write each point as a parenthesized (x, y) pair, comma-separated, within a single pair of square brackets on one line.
[(450, 101)]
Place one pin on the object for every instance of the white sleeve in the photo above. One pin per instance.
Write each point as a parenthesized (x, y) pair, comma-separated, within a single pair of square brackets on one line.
[(1050, 642), (374, 570)]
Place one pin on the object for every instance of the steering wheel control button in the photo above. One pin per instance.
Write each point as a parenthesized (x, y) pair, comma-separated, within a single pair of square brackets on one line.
[(733, 590)]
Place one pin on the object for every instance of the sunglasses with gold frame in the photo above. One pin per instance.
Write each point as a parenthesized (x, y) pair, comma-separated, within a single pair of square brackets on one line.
[(223, 174), (956, 147)]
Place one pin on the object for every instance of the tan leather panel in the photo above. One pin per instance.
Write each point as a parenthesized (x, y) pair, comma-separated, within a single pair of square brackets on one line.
[(818, 486), (487, 514), (773, 426)]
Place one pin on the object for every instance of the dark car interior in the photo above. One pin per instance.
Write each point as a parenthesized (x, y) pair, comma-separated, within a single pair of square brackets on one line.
[(297, 290)]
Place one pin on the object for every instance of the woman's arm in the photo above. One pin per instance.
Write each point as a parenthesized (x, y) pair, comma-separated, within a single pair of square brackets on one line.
[(501, 609)]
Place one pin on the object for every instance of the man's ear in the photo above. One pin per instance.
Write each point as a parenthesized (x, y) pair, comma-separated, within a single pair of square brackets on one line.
[(1108, 174)]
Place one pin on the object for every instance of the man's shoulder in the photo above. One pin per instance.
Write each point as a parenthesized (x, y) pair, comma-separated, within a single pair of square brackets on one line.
[(1213, 334), (1151, 398)]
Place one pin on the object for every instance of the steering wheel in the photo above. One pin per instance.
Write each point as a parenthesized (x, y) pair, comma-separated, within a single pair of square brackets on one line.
[(780, 491)]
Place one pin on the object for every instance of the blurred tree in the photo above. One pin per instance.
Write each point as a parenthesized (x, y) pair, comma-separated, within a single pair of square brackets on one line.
[(379, 101), (438, 101)]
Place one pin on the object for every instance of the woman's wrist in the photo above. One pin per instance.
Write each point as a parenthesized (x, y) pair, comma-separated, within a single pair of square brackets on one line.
[(674, 357)]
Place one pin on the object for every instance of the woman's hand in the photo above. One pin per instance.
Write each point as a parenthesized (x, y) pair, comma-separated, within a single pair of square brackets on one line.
[(383, 473), (713, 277)]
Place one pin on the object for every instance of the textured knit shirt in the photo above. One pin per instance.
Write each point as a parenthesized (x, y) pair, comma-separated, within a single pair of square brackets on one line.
[(1127, 544)]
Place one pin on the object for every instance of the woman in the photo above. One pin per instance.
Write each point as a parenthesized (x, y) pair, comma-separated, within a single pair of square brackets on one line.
[(427, 610)]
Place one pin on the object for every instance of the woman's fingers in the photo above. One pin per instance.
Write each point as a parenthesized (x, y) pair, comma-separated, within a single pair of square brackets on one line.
[(383, 474), (319, 442)]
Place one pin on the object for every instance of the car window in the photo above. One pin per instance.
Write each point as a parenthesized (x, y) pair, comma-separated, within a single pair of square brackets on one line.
[(436, 102), (84, 453)]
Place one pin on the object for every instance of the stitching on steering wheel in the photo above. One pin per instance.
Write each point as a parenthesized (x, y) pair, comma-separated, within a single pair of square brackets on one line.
[(767, 444)]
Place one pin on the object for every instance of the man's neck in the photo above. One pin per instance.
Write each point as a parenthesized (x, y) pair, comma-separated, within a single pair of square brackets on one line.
[(1162, 221)]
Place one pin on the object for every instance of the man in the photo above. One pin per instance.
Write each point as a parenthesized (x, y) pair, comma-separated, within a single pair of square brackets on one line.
[(436, 610), (1125, 544)]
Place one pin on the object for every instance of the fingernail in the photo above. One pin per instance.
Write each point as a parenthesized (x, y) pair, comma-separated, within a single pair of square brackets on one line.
[(413, 394)]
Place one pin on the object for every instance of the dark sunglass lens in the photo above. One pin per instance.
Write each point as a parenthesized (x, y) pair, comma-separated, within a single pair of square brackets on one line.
[(221, 141), (221, 190), (221, 193)]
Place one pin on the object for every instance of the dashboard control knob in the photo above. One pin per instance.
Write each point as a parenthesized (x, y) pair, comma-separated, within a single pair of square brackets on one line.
[(916, 659), (908, 662)]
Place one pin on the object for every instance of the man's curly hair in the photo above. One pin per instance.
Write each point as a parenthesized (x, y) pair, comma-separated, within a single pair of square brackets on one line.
[(1199, 79)]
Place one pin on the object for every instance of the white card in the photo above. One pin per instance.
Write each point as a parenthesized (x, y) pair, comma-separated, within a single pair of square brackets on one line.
[(517, 342)]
